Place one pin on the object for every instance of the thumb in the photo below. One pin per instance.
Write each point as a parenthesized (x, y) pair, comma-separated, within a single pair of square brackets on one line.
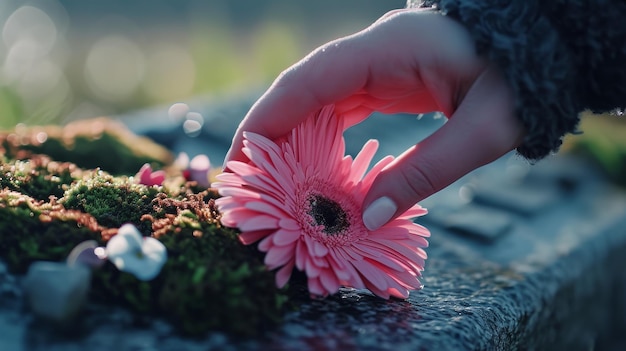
[(482, 129)]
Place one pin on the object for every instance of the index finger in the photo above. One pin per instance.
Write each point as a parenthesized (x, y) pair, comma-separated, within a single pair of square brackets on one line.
[(330, 73)]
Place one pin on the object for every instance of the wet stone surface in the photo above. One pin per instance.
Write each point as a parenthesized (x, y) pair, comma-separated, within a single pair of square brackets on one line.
[(478, 222), (509, 267)]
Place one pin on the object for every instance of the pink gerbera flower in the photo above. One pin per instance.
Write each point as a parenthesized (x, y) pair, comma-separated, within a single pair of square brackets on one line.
[(302, 198)]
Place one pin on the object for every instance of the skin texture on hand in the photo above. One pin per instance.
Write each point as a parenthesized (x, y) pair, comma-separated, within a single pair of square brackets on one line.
[(412, 61)]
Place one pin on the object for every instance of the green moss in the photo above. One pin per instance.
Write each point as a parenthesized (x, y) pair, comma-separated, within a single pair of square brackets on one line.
[(33, 230), (210, 281), (113, 201), (38, 177), (99, 143), (218, 276)]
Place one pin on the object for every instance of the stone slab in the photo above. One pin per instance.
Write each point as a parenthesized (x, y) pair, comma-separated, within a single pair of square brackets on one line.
[(554, 280)]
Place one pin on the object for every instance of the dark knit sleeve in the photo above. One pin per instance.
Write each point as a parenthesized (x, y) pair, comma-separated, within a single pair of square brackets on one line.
[(561, 57)]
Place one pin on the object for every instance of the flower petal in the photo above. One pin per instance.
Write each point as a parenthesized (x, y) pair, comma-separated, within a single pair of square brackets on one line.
[(372, 275), (279, 255), (265, 207), (284, 237), (253, 236), (329, 281), (258, 222), (363, 159), (127, 239), (283, 274)]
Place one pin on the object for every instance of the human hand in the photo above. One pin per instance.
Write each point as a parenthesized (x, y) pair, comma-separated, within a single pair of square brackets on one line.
[(413, 61)]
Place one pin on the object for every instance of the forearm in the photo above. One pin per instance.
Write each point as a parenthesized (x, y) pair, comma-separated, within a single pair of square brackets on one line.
[(560, 57)]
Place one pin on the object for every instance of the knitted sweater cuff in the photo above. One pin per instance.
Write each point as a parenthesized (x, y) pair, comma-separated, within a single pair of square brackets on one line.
[(542, 57)]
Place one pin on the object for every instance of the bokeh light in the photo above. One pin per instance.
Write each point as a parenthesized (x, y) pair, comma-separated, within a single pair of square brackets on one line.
[(170, 73), (29, 23), (62, 60), (114, 68), (32, 71)]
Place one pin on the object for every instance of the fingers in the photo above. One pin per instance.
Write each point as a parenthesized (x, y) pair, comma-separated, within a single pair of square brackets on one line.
[(482, 129), (370, 70), (303, 89)]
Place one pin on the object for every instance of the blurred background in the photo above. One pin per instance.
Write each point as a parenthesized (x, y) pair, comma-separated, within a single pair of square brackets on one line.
[(65, 60), (62, 60)]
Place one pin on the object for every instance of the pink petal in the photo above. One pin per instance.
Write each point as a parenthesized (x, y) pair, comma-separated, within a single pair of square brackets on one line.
[(267, 208), (309, 245), (228, 178), (238, 192), (289, 224), (378, 292), (414, 263), (399, 293), (311, 269), (298, 174), (284, 237), (372, 275), (415, 211), (144, 171), (349, 255), (265, 244), (315, 287), (390, 262), (242, 169), (355, 278), (410, 254), (281, 179), (279, 255), (367, 181), (389, 233), (407, 279), (263, 183), (157, 178), (366, 251), (411, 226), (258, 222), (329, 281), (283, 274), (319, 249), (236, 216), (251, 237), (319, 261), (301, 254), (262, 142), (363, 159), (338, 259)]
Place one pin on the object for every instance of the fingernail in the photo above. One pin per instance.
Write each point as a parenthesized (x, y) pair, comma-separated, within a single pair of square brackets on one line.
[(379, 212)]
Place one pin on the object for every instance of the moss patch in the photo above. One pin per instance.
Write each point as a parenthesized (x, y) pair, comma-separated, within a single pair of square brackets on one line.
[(210, 282), (97, 143)]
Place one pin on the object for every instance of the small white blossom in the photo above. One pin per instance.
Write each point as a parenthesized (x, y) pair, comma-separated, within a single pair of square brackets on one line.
[(141, 256)]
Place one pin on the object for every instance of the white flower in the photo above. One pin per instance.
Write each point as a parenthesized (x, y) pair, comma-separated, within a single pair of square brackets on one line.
[(141, 256)]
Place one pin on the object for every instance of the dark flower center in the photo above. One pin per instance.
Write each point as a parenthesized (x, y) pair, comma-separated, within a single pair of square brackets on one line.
[(328, 213)]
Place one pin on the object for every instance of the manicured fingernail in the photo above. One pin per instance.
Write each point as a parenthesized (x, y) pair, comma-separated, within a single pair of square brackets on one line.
[(379, 212)]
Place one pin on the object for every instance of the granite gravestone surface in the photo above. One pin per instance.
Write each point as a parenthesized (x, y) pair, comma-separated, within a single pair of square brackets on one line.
[(521, 258)]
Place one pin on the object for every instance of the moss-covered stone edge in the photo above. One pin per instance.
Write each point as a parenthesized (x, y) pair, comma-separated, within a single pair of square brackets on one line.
[(210, 282)]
